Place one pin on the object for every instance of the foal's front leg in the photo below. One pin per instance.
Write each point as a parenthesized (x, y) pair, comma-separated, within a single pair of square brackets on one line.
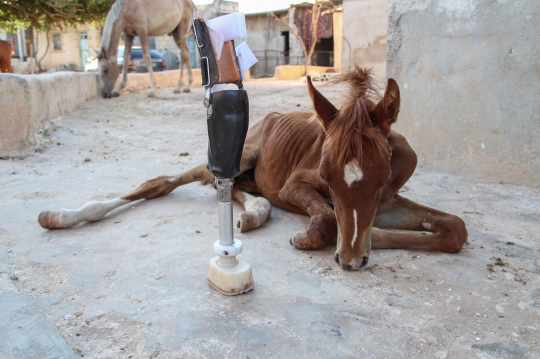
[(414, 226), (323, 228)]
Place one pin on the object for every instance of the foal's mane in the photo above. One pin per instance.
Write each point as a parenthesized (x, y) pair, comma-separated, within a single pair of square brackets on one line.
[(352, 124)]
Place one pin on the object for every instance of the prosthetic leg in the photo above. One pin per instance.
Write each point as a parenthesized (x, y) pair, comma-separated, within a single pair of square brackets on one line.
[(228, 121)]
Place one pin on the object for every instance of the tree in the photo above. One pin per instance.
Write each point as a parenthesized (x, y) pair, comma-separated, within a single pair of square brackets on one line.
[(49, 14), (45, 15), (319, 8)]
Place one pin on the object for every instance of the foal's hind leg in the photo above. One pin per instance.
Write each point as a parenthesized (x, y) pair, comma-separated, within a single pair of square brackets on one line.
[(257, 210), (407, 223), (445, 232), (95, 210)]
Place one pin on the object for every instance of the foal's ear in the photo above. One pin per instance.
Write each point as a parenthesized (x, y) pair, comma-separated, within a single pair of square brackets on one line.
[(387, 109), (324, 110)]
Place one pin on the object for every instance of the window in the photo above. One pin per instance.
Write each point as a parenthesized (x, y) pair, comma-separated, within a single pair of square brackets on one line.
[(57, 42)]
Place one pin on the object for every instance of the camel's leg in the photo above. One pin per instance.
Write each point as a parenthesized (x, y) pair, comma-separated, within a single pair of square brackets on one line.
[(323, 228), (258, 210), (145, 43), (404, 224), (93, 211), (125, 66), (185, 60)]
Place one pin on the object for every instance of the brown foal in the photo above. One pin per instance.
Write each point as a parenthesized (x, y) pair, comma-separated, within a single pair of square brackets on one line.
[(342, 167)]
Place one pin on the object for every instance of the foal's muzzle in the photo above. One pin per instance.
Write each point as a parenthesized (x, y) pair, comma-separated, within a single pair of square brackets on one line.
[(355, 265)]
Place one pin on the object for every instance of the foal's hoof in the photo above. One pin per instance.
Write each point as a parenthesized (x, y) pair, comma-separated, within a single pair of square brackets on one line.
[(115, 94), (152, 94), (51, 220), (186, 89), (177, 90), (251, 219), (308, 238), (248, 221), (258, 210)]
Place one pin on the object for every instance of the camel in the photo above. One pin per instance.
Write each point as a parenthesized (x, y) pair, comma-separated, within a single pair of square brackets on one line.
[(342, 167), (143, 18), (6, 50)]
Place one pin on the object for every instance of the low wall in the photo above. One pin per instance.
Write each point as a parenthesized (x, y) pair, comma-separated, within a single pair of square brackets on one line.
[(164, 79), (470, 85), (28, 101), (295, 72)]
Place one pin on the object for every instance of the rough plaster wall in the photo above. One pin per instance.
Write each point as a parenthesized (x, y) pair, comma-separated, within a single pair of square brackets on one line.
[(469, 73), (365, 24)]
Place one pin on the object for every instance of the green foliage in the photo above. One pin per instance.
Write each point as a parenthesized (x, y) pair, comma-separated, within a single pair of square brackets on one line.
[(48, 14)]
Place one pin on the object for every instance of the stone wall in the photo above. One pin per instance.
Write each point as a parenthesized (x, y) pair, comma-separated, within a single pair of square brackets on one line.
[(28, 102), (469, 73)]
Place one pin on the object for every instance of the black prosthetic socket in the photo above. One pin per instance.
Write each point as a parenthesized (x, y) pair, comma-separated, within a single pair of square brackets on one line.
[(228, 122), (228, 110)]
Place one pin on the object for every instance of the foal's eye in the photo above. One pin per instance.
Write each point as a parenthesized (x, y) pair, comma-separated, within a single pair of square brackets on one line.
[(105, 71)]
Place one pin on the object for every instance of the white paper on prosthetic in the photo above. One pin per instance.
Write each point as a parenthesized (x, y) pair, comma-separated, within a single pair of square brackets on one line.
[(230, 27), (246, 58)]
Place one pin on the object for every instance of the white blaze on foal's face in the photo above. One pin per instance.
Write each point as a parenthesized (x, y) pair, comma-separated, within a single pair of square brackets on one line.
[(352, 173)]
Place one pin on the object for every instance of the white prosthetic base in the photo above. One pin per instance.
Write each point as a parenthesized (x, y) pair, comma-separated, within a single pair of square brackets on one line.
[(228, 275), (230, 280)]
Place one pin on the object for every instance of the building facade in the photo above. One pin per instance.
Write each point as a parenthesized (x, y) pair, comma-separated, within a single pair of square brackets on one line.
[(71, 45), (354, 33), (274, 41)]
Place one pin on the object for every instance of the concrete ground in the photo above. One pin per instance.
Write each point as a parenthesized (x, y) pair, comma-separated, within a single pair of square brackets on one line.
[(133, 285)]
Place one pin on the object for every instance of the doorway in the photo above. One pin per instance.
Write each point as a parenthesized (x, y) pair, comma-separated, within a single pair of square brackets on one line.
[(83, 48), (286, 46)]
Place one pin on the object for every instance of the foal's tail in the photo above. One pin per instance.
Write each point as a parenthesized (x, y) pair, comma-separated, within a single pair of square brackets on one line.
[(95, 210)]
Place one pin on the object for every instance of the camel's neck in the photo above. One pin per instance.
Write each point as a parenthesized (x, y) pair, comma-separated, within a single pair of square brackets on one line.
[(114, 41), (112, 31)]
